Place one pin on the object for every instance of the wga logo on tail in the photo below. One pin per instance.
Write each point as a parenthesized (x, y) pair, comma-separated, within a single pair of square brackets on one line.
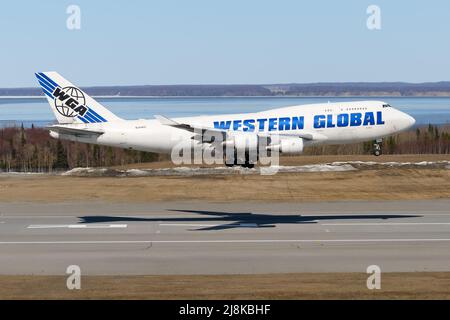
[(70, 101)]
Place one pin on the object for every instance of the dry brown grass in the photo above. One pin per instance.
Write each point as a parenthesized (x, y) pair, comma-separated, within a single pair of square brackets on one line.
[(382, 184), (308, 159), (423, 285)]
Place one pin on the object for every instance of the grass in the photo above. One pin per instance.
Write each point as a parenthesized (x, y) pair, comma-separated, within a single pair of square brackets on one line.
[(380, 184), (420, 285)]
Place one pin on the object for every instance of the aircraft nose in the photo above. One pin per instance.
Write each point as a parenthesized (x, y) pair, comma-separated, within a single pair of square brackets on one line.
[(407, 120), (411, 121)]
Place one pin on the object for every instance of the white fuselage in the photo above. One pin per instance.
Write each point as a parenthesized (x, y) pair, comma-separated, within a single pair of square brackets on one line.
[(328, 123)]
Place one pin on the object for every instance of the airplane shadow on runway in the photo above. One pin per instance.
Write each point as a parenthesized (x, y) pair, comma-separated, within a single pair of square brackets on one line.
[(242, 220)]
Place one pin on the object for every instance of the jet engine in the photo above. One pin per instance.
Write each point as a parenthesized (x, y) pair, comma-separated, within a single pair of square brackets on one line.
[(288, 146), (291, 146)]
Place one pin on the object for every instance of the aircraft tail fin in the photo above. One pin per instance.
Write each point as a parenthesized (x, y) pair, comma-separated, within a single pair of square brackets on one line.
[(69, 103)]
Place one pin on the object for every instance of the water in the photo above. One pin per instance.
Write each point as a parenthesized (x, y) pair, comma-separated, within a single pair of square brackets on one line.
[(15, 111)]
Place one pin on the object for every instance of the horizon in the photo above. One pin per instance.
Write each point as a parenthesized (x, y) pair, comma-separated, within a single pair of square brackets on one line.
[(246, 84)]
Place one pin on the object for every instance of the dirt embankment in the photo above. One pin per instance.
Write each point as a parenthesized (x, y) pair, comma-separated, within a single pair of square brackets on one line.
[(379, 183)]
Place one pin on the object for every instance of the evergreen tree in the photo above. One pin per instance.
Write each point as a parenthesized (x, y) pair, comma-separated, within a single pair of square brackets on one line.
[(61, 157)]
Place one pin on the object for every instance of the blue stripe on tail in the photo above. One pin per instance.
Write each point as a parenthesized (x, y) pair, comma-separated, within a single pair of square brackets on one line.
[(47, 93), (89, 118), (97, 115), (45, 81), (48, 79), (83, 119), (93, 116), (46, 87)]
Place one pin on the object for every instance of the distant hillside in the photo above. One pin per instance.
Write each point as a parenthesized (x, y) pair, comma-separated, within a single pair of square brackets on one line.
[(363, 89), (307, 89)]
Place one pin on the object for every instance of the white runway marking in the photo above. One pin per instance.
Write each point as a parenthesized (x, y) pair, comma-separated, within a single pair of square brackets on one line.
[(386, 224), (227, 241), (19, 216), (76, 226)]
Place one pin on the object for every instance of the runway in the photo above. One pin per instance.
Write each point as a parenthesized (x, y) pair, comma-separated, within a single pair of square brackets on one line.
[(224, 238)]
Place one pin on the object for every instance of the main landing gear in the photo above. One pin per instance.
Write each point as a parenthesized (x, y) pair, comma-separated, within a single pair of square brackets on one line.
[(376, 150), (234, 161)]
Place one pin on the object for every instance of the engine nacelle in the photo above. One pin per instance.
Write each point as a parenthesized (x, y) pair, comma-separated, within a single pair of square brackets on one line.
[(291, 146)]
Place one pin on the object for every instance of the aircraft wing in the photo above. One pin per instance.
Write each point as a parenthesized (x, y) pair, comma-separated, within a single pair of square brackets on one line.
[(169, 122), (304, 134), (74, 131), (194, 129)]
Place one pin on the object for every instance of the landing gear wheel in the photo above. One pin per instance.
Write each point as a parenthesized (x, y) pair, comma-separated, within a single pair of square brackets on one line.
[(234, 161), (377, 148)]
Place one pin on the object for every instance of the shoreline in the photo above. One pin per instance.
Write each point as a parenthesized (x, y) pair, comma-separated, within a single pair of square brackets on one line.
[(243, 97)]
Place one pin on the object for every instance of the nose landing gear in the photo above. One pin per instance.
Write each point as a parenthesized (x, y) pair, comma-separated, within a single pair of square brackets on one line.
[(376, 150)]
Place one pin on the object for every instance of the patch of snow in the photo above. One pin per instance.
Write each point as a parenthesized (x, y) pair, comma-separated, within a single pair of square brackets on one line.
[(197, 171)]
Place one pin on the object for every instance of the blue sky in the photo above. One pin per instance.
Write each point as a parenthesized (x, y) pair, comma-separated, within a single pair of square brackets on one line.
[(224, 42)]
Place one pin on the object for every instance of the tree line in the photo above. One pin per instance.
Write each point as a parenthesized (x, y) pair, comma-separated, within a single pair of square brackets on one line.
[(429, 139), (33, 150)]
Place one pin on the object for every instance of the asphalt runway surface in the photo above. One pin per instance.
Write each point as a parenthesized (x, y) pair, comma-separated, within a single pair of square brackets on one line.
[(224, 238)]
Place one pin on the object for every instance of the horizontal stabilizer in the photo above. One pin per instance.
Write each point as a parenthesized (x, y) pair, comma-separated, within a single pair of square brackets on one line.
[(75, 131)]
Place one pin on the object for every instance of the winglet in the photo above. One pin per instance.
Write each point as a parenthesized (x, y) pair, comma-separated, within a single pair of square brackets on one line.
[(185, 126), (166, 121)]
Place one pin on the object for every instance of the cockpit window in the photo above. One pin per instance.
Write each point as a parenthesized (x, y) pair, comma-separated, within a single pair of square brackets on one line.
[(386, 105)]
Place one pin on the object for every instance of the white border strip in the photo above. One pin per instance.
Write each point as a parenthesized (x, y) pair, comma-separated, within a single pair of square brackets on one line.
[(76, 226)]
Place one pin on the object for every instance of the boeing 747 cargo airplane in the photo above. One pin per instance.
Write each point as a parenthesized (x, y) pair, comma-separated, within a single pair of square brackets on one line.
[(286, 130)]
